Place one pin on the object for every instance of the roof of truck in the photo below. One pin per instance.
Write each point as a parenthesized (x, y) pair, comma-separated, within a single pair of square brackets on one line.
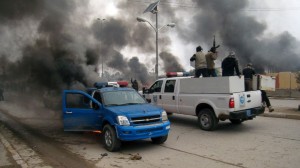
[(180, 77), (107, 89)]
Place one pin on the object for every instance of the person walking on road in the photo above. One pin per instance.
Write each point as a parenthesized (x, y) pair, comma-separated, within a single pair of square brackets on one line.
[(200, 63), (229, 64), (211, 56)]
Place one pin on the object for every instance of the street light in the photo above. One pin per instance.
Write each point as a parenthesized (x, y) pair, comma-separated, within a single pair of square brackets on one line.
[(156, 29), (101, 55)]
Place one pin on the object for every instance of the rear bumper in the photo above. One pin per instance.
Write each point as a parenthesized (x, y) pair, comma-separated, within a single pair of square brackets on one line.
[(247, 114), (130, 133)]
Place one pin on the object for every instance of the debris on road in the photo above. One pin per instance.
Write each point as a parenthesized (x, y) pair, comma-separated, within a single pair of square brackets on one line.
[(135, 156)]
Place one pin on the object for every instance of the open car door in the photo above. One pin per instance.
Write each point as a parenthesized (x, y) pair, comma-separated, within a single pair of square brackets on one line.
[(81, 112)]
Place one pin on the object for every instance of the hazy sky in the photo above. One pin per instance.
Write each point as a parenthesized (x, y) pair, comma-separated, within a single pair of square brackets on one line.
[(279, 16), (69, 40)]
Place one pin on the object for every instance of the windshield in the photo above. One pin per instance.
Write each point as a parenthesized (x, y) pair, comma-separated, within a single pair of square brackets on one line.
[(119, 98)]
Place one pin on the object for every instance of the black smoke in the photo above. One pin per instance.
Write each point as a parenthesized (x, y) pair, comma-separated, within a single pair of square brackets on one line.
[(44, 45), (53, 58), (243, 34), (139, 70), (171, 63)]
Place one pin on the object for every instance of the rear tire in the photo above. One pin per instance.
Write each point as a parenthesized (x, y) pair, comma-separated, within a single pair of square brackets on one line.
[(110, 140), (236, 121), (159, 140), (207, 119)]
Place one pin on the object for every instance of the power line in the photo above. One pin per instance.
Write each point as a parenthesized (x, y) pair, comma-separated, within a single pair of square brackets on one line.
[(191, 6)]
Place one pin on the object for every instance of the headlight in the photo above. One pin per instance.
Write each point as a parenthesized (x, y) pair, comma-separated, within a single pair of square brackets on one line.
[(164, 116), (122, 120)]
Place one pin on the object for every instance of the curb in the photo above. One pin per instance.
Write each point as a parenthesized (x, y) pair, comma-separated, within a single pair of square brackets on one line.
[(281, 115), (16, 156)]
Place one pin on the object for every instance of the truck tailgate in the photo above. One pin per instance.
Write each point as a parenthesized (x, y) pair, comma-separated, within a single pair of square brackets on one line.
[(247, 100)]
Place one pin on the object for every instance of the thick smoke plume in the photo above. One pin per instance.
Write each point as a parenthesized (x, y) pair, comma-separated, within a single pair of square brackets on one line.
[(60, 54), (48, 45), (242, 34), (171, 63)]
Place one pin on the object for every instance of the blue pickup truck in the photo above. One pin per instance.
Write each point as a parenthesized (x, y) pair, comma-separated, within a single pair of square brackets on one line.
[(121, 114)]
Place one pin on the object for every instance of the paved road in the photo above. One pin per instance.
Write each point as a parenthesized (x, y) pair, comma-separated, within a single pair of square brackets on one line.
[(262, 142)]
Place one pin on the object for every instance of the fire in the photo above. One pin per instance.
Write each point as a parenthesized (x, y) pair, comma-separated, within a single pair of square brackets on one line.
[(97, 132)]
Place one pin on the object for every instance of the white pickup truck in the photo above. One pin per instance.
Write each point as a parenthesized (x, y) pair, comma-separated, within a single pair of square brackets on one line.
[(210, 99)]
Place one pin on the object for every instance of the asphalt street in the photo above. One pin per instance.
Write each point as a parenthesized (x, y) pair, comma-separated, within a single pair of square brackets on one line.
[(262, 142)]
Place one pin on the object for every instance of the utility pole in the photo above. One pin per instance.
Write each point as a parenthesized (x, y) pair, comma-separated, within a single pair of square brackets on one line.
[(102, 59), (153, 8), (156, 63)]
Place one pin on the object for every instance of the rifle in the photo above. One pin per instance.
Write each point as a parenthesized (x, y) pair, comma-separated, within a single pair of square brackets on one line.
[(214, 47)]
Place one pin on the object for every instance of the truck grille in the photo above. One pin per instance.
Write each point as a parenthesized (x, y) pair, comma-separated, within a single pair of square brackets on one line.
[(145, 119)]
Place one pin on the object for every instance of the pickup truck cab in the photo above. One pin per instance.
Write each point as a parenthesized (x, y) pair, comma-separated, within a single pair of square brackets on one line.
[(121, 114), (210, 99)]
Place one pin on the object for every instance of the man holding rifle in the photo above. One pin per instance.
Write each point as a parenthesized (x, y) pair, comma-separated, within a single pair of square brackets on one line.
[(211, 56)]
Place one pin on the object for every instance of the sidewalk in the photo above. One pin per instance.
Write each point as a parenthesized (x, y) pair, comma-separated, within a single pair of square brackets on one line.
[(283, 113), (9, 156), (16, 153), (284, 108)]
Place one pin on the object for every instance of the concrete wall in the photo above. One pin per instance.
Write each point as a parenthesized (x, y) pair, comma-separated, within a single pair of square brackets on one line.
[(292, 93), (285, 80)]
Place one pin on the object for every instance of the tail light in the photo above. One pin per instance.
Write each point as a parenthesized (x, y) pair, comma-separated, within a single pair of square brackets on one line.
[(231, 103)]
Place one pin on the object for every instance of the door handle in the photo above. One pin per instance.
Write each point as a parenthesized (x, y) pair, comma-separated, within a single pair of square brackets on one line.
[(69, 112), (173, 97), (159, 96)]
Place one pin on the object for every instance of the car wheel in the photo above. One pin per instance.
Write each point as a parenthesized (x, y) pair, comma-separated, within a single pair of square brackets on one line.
[(111, 142), (236, 121), (159, 140), (207, 119)]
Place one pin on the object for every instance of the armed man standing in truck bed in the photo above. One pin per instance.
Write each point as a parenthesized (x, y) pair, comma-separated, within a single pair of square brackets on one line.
[(211, 56), (200, 63)]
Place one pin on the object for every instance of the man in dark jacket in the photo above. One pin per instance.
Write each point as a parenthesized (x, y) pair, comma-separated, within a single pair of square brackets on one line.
[(248, 73), (229, 64)]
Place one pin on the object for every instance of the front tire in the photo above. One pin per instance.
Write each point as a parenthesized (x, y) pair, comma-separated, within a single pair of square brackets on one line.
[(207, 119), (159, 140), (110, 140)]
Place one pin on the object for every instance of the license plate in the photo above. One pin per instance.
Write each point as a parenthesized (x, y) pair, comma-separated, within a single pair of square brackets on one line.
[(248, 112)]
